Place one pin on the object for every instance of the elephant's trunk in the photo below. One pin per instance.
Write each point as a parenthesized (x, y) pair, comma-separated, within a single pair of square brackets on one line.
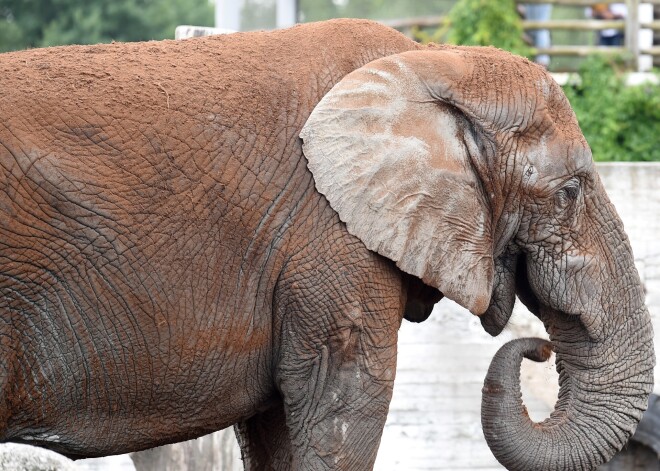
[(603, 393)]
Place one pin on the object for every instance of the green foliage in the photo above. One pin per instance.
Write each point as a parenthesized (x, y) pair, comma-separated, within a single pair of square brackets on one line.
[(620, 122), (37, 23), (11, 35), (429, 35), (487, 23)]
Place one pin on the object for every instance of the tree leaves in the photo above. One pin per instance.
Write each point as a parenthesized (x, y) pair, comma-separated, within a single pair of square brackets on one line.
[(487, 23), (37, 23), (621, 123)]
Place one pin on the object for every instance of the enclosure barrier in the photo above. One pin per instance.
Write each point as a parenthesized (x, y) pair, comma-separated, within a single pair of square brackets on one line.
[(638, 27)]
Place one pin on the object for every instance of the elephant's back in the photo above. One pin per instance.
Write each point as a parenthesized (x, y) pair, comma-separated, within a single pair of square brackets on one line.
[(242, 71)]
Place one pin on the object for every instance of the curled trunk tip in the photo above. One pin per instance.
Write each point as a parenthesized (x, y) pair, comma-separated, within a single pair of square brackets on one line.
[(571, 439), (509, 355), (503, 416)]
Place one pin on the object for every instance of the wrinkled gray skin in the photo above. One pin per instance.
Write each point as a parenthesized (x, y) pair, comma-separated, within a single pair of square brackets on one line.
[(172, 264)]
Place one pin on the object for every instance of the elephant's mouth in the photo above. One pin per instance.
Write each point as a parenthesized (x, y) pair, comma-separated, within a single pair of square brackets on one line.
[(523, 288), (499, 313), (553, 319), (510, 279)]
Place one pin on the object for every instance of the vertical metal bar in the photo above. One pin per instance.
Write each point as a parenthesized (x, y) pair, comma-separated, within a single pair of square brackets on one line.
[(228, 14), (286, 13)]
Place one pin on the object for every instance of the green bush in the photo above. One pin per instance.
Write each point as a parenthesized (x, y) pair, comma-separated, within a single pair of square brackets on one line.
[(620, 123), (487, 23)]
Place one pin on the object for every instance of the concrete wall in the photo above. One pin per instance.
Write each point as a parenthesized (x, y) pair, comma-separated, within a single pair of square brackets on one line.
[(434, 420)]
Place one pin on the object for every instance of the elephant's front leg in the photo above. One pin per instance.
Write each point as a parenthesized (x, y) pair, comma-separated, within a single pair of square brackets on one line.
[(336, 373)]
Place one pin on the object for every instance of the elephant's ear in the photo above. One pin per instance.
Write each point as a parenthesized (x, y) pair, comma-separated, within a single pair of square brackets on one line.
[(395, 152)]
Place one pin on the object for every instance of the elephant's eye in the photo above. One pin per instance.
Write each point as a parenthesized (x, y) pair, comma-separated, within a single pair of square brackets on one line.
[(568, 193)]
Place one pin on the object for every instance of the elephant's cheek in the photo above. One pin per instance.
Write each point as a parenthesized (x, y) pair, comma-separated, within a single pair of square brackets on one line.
[(568, 283)]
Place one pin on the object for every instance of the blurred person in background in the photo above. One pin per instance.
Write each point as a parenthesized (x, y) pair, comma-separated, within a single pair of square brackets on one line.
[(615, 11), (540, 37)]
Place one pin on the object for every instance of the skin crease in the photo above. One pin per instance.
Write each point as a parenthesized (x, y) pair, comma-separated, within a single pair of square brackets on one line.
[(169, 267)]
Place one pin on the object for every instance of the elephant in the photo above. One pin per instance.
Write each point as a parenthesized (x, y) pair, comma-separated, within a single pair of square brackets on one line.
[(230, 230)]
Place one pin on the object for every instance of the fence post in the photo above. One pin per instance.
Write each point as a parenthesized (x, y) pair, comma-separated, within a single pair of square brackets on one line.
[(645, 63), (632, 32)]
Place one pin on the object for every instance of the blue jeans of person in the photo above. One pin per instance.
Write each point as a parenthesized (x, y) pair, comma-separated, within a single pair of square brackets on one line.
[(615, 40), (540, 37)]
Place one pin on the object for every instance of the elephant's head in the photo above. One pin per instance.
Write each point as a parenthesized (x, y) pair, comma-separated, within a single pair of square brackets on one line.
[(466, 166)]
